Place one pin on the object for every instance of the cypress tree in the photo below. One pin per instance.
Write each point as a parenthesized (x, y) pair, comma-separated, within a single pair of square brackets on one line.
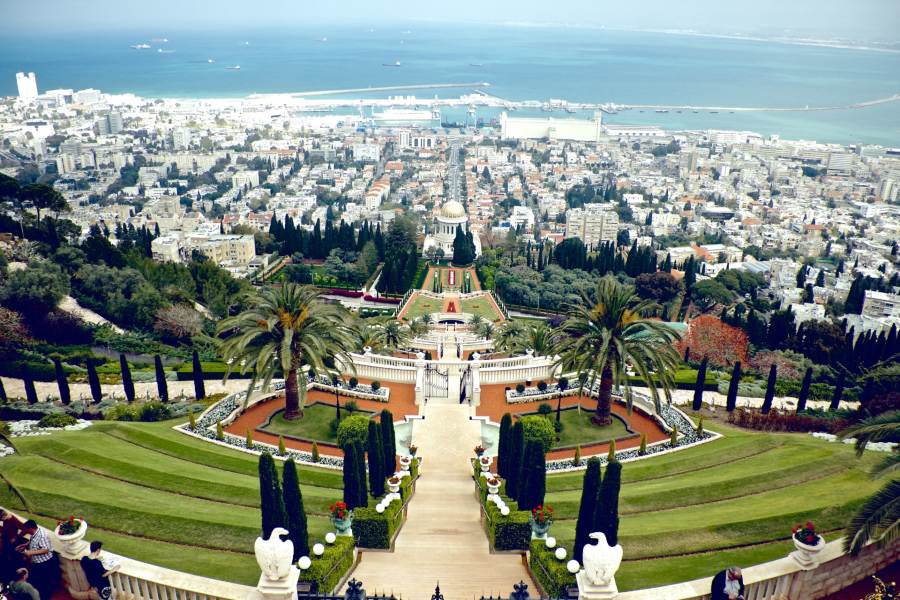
[(608, 521), (2, 392), (199, 387), (296, 513), (699, 385), (731, 400), (533, 483), (514, 464), (28, 382), (590, 488), (64, 396), (770, 390), (362, 489), (388, 443), (162, 387), (127, 382), (376, 461), (838, 392), (94, 382), (270, 499), (687, 353), (503, 445), (804, 390), (351, 478)]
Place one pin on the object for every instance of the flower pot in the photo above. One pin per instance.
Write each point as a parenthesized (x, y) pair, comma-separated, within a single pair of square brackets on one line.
[(393, 487), (539, 530), (807, 555), (493, 489), (73, 546), (405, 461), (485, 462), (343, 526)]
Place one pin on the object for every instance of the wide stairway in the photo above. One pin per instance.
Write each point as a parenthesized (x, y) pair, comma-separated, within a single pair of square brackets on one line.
[(442, 539)]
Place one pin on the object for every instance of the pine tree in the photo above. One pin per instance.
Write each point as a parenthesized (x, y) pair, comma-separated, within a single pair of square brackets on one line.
[(127, 382), (270, 498), (804, 390), (533, 484), (503, 445), (590, 488), (770, 389), (199, 386), (162, 387), (362, 499), (608, 503), (388, 443), (514, 466), (376, 461), (295, 512), (351, 476), (731, 400), (62, 383), (699, 385)]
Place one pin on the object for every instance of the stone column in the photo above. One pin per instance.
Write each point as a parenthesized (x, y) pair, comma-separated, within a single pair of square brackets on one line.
[(420, 378), (476, 379)]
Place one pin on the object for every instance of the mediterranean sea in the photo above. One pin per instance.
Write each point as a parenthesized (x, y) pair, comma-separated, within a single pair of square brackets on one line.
[(520, 63)]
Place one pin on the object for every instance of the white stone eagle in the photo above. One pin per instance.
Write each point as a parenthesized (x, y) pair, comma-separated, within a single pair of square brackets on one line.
[(601, 561), (274, 555)]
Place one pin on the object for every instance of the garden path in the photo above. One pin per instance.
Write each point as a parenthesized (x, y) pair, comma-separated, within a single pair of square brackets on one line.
[(442, 539)]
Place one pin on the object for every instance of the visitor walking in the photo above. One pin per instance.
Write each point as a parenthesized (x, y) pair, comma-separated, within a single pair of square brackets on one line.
[(728, 585), (96, 572), (44, 566)]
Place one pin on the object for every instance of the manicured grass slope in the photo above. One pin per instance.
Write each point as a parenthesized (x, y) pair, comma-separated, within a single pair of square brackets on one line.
[(578, 429), (156, 495), (732, 501), (480, 306), (315, 424)]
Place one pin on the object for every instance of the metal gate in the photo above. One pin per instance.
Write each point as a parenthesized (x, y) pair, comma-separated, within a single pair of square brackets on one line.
[(465, 388), (436, 382)]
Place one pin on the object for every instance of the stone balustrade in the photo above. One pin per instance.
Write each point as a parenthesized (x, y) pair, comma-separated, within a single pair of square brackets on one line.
[(141, 581)]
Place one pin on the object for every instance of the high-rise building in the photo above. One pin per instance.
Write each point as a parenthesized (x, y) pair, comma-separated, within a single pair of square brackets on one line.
[(181, 138), (110, 123), (27, 85), (593, 224)]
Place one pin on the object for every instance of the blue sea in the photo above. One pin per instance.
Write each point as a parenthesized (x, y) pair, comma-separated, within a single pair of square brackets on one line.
[(520, 63)]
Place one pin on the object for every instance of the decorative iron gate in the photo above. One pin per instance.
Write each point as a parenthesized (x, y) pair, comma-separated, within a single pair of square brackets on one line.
[(465, 388), (436, 382)]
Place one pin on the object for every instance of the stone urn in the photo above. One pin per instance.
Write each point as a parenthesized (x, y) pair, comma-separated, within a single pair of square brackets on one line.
[(405, 461), (493, 486), (343, 526), (485, 462), (539, 530), (393, 485), (807, 555), (73, 545)]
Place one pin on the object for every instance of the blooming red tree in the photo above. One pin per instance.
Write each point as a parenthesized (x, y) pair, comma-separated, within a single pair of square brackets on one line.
[(721, 343)]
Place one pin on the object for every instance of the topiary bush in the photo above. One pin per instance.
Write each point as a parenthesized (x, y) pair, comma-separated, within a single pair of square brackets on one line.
[(539, 429), (352, 430), (550, 572), (520, 387), (544, 409), (376, 385), (152, 412), (372, 529), (328, 570), (57, 420)]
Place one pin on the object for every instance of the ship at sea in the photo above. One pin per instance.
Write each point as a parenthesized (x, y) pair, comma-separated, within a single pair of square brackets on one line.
[(141, 46), (234, 68), (396, 63)]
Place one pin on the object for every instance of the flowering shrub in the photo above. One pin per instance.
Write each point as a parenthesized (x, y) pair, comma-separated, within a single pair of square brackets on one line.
[(339, 510), (542, 515), (783, 421), (806, 534), (344, 293), (381, 299), (479, 450), (69, 526)]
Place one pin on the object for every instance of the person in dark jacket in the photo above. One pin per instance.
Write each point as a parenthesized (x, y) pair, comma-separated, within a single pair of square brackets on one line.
[(96, 572), (728, 585)]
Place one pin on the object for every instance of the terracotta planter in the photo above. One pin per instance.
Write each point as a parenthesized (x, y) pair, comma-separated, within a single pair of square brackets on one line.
[(73, 546), (807, 555)]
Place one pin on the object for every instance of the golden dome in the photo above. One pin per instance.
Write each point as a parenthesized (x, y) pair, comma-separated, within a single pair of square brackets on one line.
[(453, 210)]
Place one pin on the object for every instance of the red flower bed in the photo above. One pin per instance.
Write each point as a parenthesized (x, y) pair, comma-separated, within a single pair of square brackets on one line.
[(345, 293), (776, 421), (382, 299)]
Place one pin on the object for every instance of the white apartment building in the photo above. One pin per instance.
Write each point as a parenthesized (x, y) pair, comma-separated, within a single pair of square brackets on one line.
[(593, 224), (522, 216), (27, 85), (181, 138), (166, 248), (243, 179), (367, 152), (881, 305)]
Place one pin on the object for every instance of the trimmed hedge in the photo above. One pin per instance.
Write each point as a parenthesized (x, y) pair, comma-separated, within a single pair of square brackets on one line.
[(326, 571), (685, 379), (374, 530), (211, 370), (512, 532), (37, 370), (550, 572)]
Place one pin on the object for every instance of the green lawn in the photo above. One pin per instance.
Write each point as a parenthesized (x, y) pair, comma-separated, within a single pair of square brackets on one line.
[(315, 424), (421, 305), (156, 495), (578, 429), (480, 306), (732, 501)]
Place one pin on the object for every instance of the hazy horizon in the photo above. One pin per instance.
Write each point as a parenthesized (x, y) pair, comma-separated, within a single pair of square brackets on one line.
[(863, 20)]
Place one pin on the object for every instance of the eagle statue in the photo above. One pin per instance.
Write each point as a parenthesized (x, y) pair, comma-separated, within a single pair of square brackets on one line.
[(601, 561), (274, 555)]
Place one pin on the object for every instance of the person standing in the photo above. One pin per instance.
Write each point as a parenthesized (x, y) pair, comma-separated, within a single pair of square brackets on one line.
[(10, 534), (39, 553)]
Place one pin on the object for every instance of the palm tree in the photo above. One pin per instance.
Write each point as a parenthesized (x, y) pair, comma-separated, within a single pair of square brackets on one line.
[(605, 334), (391, 334), (878, 518), (287, 328), (485, 330), (418, 327), (475, 322), (539, 338), (509, 337)]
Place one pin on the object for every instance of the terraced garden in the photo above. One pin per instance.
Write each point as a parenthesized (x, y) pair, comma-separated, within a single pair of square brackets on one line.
[(732, 501), (155, 495)]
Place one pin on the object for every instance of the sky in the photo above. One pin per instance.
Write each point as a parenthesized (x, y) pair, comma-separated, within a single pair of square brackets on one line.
[(874, 20)]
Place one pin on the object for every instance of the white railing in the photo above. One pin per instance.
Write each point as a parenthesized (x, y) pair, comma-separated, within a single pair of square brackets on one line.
[(383, 359), (141, 581), (541, 371)]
